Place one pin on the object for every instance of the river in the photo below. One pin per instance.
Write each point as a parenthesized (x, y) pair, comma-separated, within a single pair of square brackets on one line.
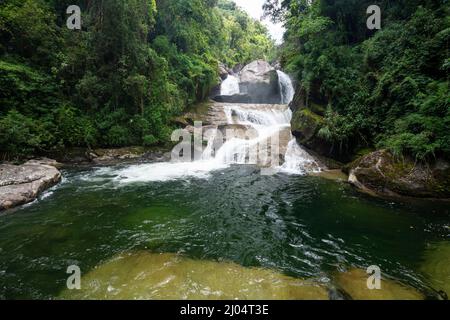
[(238, 233)]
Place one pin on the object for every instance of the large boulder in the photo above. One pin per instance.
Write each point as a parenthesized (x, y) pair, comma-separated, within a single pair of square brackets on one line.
[(259, 80), (380, 173), (23, 184)]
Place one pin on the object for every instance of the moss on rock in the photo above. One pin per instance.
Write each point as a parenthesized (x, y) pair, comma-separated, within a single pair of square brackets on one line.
[(383, 174)]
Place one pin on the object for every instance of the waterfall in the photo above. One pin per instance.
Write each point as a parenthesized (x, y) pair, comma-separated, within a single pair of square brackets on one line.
[(298, 161), (230, 86), (261, 124), (267, 117), (257, 126), (286, 87)]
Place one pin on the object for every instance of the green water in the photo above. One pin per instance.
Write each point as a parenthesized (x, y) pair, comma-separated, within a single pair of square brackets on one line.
[(305, 227)]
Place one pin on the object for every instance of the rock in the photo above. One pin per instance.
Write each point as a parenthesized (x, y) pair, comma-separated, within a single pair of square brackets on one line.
[(111, 156), (23, 184), (143, 275), (335, 175), (259, 80), (126, 155), (354, 283), (236, 98), (276, 65), (237, 68), (381, 174), (215, 91), (307, 120), (45, 161), (305, 126), (436, 267), (223, 71)]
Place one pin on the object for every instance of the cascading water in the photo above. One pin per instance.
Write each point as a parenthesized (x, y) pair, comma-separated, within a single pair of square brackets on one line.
[(298, 161), (286, 87), (260, 124), (230, 86)]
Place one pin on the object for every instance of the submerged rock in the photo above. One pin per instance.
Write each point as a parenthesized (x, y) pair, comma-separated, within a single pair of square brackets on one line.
[(23, 184), (354, 283), (380, 173), (143, 275), (437, 267)]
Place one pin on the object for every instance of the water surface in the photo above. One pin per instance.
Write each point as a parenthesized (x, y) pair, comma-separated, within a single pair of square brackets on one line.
[(300, 226)]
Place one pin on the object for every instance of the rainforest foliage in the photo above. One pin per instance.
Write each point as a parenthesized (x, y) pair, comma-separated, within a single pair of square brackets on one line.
[(385, 88), (121, 79)]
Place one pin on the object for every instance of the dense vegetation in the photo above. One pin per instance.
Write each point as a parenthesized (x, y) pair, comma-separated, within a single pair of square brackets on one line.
[(121, 79), (385, 89)]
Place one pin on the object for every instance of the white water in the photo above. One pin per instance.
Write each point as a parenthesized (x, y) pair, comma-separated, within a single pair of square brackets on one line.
[(230, 86), (262, 123), (262, 127), (298, 161), (286, 87)]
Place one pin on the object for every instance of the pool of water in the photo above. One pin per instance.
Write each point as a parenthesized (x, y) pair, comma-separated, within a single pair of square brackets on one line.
[(298, 226)]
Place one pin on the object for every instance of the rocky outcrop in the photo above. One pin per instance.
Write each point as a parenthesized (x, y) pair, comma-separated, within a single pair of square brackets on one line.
[(307, 120), (305, 126), (125, 155), (379, 173), (259, 80), (23, 184)]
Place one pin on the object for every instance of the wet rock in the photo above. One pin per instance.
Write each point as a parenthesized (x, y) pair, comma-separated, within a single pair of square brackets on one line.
[(237, 68), (276, 65), (126, 155), (45, 161), (306, 125), (236, 98), (335, 175), (223, 71), (436, 268), (354, 283), (381, 174), (259, 80), (143, 275), (23, 184)]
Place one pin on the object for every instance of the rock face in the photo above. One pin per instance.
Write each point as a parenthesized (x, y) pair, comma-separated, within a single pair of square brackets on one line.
[(259, 80), (381, 174), (354, 283), (307, 120), (258, 83), (23, 184)]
